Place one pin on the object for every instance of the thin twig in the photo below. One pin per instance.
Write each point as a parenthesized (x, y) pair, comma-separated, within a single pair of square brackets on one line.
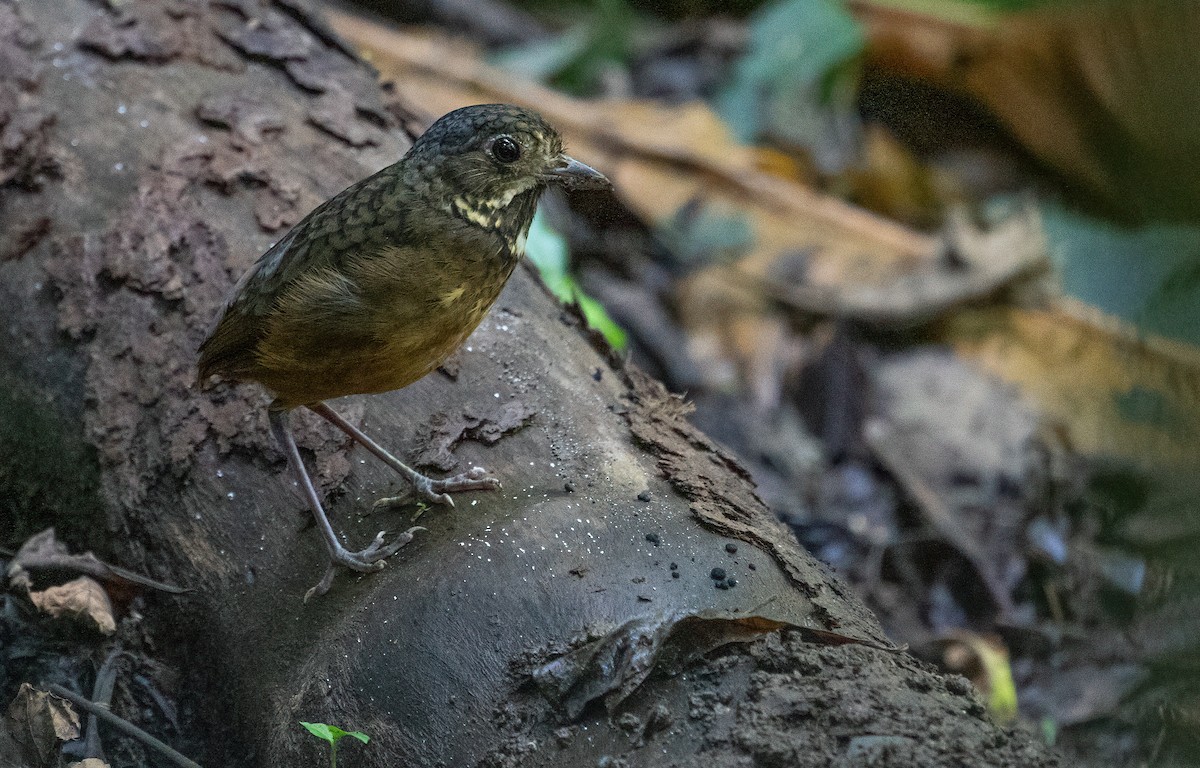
[(102, 691), (42, 551), (123, 725)]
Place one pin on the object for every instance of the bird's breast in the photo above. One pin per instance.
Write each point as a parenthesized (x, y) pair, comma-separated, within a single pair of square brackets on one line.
[(421, 319)]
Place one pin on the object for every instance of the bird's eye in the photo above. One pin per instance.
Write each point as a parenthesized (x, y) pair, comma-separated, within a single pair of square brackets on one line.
[(506, 149)]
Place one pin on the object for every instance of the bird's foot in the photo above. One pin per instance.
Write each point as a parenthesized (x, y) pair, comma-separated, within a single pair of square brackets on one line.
[(474, 479), (438, 491), (364, 561)]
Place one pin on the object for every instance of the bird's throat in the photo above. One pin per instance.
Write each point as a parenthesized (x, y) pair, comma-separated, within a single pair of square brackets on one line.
[(506, 216)]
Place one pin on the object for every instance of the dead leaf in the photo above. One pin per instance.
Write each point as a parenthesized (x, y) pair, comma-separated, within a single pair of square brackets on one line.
[(612, 667), (1114, 391), (40, 720), (987, 263), (91, 762), (890, 179), (82, 599), (952, 436), (1104, 92)]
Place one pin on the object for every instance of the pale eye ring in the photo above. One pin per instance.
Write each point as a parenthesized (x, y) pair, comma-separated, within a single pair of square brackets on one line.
[(506, 149)]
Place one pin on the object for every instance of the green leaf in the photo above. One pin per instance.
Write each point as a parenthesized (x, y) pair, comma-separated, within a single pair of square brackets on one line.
[(576, 60), (320, 730), (597, 317), (543, 59), (698, 234), (547, 250), (333, 734), (1149, 276), (798, 79)]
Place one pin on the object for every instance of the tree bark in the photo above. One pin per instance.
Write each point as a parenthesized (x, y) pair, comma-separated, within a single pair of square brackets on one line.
[(150, 152)]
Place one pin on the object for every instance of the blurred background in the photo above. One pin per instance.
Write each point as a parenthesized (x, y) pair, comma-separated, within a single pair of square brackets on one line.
[(931, 269)]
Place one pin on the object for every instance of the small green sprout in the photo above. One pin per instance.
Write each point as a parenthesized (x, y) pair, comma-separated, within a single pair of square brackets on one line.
[(332, 734)]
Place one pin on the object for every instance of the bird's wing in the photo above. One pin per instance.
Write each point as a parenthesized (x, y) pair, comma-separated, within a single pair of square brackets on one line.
[(364, 216)]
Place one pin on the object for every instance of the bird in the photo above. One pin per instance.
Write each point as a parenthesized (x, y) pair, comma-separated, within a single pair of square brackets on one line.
[(378, 285)]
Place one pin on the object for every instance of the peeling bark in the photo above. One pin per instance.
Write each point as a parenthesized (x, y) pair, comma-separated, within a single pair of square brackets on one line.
[(148, 153)]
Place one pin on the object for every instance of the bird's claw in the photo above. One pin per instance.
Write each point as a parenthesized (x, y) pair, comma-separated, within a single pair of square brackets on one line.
[(372, 558), (323, 585), (426, 489), (438, 491), (387, 502), (474, 479)]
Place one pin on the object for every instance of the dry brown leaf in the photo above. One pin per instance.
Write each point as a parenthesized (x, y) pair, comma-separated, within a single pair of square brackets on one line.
[(938, 418), (611, 667), (1103, 91), (889, 178), (1080, 368), (81, 599), (1113, 391), (39, 721)]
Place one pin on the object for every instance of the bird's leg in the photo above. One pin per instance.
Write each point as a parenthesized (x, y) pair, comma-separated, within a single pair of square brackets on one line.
[(436, 491), (369, 559)]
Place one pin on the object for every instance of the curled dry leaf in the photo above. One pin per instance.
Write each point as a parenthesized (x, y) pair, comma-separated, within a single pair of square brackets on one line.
[(82, 599), (39, 721), (610, 668)]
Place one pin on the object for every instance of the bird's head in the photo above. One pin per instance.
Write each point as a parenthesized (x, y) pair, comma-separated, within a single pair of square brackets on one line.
[(490, 163)]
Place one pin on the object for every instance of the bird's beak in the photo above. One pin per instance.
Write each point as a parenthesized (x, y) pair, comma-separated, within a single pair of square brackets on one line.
[(573, 174)]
